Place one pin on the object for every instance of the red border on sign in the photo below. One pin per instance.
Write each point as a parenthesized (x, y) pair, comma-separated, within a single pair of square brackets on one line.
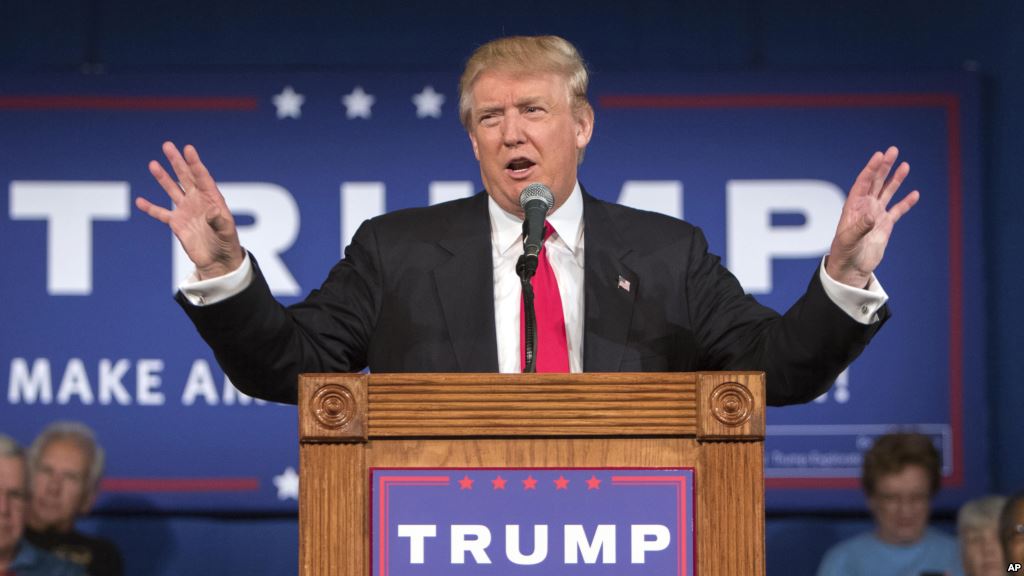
[(385, 484), (128, 485), (680, 483), (151, 103)]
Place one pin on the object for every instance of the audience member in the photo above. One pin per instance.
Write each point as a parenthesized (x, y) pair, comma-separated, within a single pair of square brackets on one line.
[(1011, 529), (18, 557), (65, 466), (900, 477), (977, 526)]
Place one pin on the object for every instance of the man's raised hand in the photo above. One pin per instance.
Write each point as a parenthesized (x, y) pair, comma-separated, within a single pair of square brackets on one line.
[(867, 221), (200, 218)]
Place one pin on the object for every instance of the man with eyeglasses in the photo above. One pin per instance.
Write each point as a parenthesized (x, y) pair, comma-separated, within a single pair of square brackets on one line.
[(901, 475), (17, 556)]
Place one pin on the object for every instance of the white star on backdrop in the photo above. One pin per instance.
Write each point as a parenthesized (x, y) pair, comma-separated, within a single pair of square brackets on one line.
[(287, 484), (358, 103), (428, 103), (289, 103)]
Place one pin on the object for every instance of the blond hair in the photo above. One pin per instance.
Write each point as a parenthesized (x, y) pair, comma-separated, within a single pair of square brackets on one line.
[(980, 513), (526, 54)]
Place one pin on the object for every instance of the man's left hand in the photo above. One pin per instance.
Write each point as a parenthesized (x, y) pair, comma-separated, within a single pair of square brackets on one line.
[(866, 222)]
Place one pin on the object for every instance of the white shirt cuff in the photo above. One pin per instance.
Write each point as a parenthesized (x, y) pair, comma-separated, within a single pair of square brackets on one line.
[(213, 290), (861, 304)]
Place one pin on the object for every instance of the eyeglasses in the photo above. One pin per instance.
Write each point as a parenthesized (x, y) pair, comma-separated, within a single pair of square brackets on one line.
[(889, 500), (14, 495)]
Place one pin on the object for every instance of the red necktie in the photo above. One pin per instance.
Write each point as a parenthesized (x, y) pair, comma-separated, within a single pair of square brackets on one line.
[(552, 348)]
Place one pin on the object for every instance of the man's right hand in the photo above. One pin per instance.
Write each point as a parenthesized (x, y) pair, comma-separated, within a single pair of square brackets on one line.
[(200, 218)]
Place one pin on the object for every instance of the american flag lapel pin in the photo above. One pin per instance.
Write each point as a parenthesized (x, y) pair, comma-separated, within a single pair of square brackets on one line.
[(623, 284)]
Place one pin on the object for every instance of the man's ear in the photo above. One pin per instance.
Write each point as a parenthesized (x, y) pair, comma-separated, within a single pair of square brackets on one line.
[(584, 127), (476, 149)]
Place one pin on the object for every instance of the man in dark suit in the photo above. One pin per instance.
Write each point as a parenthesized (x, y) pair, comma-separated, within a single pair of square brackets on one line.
[(434, 289)]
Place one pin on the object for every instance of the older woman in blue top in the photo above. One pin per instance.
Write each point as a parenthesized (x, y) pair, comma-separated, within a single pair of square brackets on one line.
[(901, 475)]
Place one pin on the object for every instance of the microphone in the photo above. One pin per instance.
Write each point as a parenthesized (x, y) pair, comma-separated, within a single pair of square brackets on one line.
[(536, 199)]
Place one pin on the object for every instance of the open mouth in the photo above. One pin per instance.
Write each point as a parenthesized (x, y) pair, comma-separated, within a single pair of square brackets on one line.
[(519, 166)]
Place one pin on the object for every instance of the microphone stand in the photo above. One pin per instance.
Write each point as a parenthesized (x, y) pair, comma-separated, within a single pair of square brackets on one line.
[(526, 267), (536, 199)]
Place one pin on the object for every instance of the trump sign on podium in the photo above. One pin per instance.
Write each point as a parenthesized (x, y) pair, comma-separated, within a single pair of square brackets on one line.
[(615, 522)]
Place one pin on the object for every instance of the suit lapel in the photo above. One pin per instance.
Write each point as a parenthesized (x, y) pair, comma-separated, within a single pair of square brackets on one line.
[(465, 287), (610, 289)]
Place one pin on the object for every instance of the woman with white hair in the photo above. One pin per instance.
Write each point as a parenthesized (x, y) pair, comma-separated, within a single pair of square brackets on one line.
[(977, 527)]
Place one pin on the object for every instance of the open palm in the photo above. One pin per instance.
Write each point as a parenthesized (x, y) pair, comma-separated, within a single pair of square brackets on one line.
[(200, 218), (867, 222)]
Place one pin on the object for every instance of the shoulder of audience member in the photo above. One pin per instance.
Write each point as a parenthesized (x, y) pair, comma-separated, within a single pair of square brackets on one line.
[(52, 565), (939, 534), (834, 561)]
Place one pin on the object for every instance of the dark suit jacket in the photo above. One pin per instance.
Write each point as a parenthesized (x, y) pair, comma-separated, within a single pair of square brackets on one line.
[(414, 293)]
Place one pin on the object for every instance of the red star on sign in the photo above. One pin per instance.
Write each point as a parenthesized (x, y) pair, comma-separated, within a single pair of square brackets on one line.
[(499, 483), (561, 483), (466, 483), (530, 483), (593, 483)]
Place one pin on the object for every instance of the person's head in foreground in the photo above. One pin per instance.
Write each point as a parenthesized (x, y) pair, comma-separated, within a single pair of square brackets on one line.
[(65, 465), (977, 527), (1011, 529), (901, 475), (13, 494)]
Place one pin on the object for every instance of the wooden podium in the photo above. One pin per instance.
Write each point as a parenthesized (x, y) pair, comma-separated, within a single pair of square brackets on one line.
[(712, 422)]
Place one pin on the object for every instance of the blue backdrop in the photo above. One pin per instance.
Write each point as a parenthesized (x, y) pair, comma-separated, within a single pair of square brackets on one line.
[(760, 163)]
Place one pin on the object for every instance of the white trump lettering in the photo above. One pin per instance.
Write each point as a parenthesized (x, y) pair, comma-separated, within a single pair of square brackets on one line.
[(641, 545), (445, 191), (69, 209), (417, 535), (752, 241), (514, 551), (576, 543), (662, 196), (472, 538)]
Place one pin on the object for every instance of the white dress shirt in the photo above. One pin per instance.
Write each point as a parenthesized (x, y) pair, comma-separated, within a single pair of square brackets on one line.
[(565, 250), (565, 253)]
